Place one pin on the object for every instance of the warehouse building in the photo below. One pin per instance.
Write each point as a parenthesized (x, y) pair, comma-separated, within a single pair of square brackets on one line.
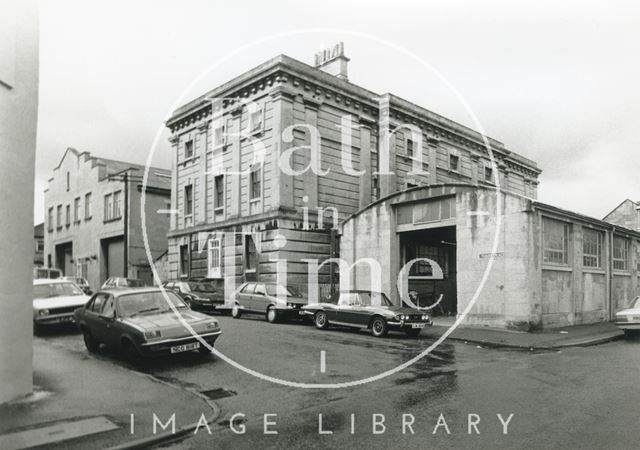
[(93, 217)]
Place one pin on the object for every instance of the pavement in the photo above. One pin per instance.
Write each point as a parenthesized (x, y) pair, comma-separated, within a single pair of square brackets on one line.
[(72, 388), (547, 339)]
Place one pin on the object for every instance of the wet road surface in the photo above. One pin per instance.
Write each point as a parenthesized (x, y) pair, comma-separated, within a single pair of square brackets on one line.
[(575, 398)]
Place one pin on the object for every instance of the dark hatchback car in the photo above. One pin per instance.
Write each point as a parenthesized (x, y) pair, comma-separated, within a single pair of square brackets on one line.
[(141, 323), (199, 295), (367, 310)]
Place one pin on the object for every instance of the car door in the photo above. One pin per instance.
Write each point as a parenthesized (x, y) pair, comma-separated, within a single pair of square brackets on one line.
[(110, 333), (259, 298), (92, 316), (351, 309), (244, 296)]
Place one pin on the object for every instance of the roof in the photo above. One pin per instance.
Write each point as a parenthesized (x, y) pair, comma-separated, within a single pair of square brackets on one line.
[(119, 292), (157, 177), (364, 95), (38, 230), (39, 281)]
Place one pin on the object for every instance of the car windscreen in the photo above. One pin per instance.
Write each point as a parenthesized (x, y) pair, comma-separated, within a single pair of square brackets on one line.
[(278, 290), (374, 299), (147, 302), (203, 287), (636, 303), (49, 290)]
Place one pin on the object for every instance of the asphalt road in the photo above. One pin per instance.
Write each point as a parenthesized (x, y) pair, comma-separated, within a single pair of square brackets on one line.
[(575, 398)]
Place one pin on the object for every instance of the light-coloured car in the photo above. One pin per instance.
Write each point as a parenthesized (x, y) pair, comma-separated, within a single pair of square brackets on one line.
[(81, 282), (122, 282), (628, 319), (273, 300), (54, 301)]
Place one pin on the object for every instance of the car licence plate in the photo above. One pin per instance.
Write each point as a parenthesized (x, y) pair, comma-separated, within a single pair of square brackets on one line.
[(417, 325), (185, 347)]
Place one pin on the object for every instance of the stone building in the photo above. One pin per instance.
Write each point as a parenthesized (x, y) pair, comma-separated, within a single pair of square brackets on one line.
[(549, 267), (93, 217), (237, 212), (38, 244), (626, 214)]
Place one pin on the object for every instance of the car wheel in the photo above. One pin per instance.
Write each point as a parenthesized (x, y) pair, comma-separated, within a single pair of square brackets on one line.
[(272, 315), (379, 327), (321, 320), (131, 353), (412, 332), (235, 311), (90, 342)]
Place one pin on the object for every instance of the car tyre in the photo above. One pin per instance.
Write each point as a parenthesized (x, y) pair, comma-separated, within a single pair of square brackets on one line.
[(413, 332), (379, 327), (321, 320), (131, 353), (90, 342), (235, 311), (272, 314)]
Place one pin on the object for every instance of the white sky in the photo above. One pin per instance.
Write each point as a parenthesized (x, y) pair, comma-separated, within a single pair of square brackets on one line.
[(558, 82)]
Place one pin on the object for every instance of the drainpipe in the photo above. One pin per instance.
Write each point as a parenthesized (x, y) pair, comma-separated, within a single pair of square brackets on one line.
[(610, 254), (125, 238)]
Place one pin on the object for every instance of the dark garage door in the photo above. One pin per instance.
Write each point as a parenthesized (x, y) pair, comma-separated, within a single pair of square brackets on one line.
[(115, 258)]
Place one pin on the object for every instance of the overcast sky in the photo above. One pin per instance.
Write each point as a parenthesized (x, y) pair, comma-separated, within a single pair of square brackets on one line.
[(558, 82)]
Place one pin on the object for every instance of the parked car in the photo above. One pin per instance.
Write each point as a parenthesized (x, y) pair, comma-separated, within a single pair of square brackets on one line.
[(122, 282), (141, 323), (199, 295), (274, 300), (628, 319), (46, 272), (54, 302), (81, 282), (367, 310)]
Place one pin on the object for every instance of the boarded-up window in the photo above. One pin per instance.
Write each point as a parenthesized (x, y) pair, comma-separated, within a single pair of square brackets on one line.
[(592, 248), (555, 241), (620, 253)]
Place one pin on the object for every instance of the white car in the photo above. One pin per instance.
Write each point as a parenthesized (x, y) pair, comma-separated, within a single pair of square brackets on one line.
[(629, 319), (54, 301)]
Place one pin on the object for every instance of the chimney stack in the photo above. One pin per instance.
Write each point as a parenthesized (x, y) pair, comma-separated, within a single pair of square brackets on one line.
[(332, 61)]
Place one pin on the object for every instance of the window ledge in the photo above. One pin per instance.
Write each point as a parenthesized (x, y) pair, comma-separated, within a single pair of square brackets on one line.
[(113, 219), (255, 200), (622, 273), (594, 270), (218, 210), (557, 268), (188, 160)]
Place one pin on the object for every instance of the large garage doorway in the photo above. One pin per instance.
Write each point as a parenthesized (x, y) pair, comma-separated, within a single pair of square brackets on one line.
[(437, 244)]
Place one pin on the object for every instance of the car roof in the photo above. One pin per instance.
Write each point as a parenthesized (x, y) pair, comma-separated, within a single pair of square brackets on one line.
[(39, 281), (130, 290)]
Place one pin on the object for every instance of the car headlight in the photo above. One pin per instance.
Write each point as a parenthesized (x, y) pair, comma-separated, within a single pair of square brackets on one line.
[(212, 325), (425, 317), (43, 312), (152, 334), (622, 318), (290, 305)]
